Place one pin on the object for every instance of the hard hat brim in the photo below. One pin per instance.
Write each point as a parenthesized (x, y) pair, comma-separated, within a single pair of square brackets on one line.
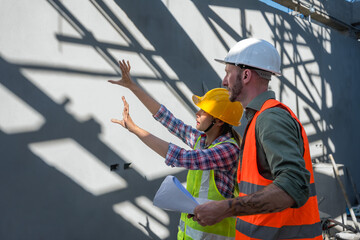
[(272, 73), (196, 99), (220, 61)]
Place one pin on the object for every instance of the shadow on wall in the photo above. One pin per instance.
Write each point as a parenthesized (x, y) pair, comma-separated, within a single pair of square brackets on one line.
[(45, 202), (39, 201)]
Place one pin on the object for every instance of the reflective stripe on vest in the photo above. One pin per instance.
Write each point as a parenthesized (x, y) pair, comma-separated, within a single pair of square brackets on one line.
[(201, 184), (192, 233), (291, 223), (204, 187), (248, 188), (287, 232)]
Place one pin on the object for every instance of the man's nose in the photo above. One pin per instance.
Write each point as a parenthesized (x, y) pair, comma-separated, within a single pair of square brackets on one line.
[(224, 82)]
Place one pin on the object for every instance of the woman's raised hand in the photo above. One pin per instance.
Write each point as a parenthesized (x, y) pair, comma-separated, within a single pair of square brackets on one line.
[(151, 104), (126, 122), (125, 80)]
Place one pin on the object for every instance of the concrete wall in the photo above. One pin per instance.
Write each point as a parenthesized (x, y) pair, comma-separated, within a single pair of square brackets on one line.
[(56, 138), (356, 14)]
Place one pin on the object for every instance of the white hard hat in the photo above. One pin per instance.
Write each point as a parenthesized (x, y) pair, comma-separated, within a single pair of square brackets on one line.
[(254, 53)]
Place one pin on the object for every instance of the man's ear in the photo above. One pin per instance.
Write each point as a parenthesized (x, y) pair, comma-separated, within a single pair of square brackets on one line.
[(246, 75)]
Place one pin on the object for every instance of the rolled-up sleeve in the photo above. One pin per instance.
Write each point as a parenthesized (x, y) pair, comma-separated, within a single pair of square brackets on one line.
[(222, 157), (185, 132), (278, 134)]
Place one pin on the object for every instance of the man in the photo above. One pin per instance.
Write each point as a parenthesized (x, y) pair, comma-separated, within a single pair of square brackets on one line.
[(277, 197)]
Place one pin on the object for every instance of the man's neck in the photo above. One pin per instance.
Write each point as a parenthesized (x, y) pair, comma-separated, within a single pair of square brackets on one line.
[(251, 95)]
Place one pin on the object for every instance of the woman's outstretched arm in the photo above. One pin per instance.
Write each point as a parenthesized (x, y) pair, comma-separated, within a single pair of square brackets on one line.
[(151, 104), (156, 144)]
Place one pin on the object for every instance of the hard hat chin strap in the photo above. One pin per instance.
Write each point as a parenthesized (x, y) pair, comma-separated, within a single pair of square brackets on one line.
[(211, 125)]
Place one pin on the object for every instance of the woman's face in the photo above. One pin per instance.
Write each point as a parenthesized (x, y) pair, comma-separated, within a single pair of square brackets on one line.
[(203, 120)]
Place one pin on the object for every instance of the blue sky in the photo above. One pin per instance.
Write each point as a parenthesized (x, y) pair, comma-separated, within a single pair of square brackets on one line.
[(276, 5)]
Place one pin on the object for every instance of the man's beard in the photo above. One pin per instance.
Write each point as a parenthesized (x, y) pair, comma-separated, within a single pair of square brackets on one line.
[(236, 90)]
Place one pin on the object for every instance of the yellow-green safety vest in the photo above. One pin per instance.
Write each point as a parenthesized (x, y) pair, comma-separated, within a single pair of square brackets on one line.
[(201, 184)]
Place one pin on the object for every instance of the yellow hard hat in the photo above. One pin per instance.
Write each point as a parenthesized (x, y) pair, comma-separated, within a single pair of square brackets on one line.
[(216, 103)]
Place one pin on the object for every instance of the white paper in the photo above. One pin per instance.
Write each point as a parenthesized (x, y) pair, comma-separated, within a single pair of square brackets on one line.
[(174, 197)]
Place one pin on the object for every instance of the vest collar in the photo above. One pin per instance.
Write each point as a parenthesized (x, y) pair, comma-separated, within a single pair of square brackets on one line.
[(256, 104), (221, 138)]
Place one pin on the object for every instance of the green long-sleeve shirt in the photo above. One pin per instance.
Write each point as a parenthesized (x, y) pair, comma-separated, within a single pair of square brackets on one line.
[(280, 148)]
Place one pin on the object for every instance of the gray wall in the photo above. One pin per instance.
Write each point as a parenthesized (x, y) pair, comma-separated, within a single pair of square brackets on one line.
[(56, 138)]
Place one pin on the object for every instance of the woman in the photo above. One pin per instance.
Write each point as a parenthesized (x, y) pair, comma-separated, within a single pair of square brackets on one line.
[(213, 161)]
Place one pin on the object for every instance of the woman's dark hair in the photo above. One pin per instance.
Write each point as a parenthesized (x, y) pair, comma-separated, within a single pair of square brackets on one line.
[(229, 128)]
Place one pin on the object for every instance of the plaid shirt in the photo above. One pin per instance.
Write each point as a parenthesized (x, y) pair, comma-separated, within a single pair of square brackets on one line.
[(222, 158)]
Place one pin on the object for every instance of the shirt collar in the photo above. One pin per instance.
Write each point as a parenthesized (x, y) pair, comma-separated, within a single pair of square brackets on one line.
[(256, 104)]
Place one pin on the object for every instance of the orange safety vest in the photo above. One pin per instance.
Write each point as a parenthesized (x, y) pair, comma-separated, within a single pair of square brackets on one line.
[(291, 223)]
